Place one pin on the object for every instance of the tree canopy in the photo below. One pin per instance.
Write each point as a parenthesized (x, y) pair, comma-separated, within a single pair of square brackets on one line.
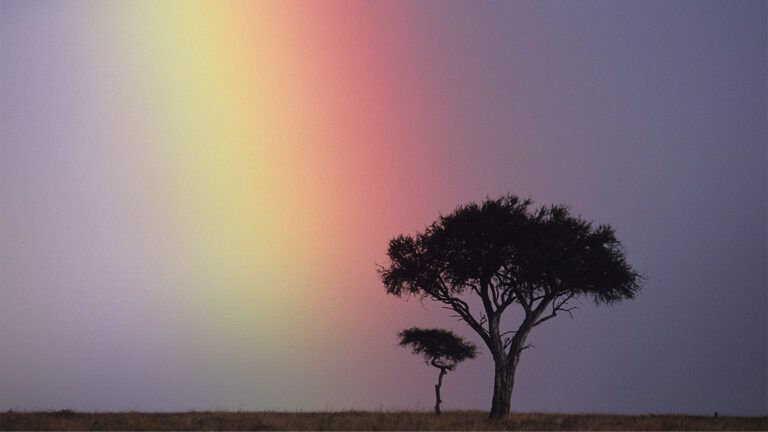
[(507, 253), (439, 347)]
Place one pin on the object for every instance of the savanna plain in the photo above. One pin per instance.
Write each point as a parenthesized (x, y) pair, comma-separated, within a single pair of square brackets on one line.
[(366, 420)]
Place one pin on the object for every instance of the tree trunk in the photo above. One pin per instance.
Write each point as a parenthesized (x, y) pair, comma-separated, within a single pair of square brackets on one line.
[(438, 401), (504, 374), (503, 382)]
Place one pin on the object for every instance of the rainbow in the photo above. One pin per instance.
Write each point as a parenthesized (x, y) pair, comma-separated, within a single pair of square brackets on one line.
[(226, 176), (274, 133)]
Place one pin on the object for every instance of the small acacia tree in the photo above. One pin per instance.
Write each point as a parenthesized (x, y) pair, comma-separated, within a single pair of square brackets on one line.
[(440, 348), (503, 252)]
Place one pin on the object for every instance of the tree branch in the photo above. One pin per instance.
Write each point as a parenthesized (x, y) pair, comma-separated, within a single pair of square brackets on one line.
[(494, 293), (463, 310), (517, 293), (442, 366), (568, 310), (557, 306), (545, 319), (459, 306), (442, 294), (487, 304)]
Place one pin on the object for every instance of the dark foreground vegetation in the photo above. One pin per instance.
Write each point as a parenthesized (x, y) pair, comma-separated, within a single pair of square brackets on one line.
[(359, 420)]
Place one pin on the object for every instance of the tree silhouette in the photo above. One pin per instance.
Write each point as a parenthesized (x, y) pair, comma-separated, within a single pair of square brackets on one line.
[(440, 348), (487, 257)]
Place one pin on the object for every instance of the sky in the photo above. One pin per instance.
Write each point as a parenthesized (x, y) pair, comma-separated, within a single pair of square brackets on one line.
[(195, 196)]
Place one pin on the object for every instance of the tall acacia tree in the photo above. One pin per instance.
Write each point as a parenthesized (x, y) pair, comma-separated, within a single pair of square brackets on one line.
[(440, 348), (482, 259)]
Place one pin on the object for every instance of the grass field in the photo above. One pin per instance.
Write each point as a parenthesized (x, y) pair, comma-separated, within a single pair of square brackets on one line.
[(357, 420)]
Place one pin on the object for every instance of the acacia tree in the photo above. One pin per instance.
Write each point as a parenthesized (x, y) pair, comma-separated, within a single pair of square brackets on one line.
[(506, 253), (440, 348)]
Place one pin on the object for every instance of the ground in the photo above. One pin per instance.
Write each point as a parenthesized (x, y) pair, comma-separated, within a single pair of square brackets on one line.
[(358, 420)]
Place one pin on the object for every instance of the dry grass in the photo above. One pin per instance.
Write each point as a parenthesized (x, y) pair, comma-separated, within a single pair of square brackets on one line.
[(357, 420)]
